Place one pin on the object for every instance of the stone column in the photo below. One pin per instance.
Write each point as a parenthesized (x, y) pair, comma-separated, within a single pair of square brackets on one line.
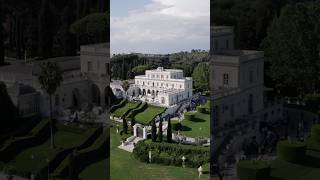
[(135, 130), (144, 133)]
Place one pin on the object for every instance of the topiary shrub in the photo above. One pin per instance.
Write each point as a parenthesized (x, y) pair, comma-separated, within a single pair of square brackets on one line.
[(293, 152), (189, 116), (315, 132), (253, 170), (202, 109)]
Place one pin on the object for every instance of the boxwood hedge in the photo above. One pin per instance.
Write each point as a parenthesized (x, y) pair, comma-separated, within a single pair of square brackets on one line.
[(171, 154), (253, 170), (293, 152)]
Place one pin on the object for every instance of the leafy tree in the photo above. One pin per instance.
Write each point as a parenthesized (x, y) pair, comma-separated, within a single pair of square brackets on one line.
[(125, 85), (154, 131), (133, 122), (200, 76), (292, 48), (93, 27), (160, 137), (50, 79), (169, 131), (140, 70)]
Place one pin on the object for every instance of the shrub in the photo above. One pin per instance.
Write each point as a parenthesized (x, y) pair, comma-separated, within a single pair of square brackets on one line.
[(117, 106), (140, 109), (202, 109), (189, 116), (293, 152), (312, 100), (171, 154), (253, 170), (315, 132)]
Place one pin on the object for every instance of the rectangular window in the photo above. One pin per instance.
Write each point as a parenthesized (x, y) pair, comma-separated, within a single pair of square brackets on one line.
[(225, 79), (89, 66)]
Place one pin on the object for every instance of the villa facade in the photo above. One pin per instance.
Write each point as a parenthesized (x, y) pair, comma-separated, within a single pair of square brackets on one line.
[(237, 81), (166, 87), (86, 80)]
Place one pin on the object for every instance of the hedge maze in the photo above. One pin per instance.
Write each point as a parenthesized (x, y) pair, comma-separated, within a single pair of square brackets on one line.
[(73, 145)]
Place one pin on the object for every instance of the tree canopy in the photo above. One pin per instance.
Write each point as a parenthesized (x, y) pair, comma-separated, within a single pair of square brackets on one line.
[(292, 48), (200, 76)]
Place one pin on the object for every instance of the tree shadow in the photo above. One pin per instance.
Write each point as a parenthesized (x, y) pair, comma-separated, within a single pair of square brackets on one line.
[(197, 120), (186, 128)]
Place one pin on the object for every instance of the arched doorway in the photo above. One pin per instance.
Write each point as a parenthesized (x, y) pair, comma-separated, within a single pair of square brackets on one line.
[(95, 94), (75, 97), (143, 92), (148, 92)]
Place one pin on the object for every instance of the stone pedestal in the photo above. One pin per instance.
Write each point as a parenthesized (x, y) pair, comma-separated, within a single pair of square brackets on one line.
[(144, 133)]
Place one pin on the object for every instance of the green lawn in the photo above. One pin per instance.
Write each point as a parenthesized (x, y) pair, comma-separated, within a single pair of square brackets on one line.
[(125, 167), (96, 171), (148, 114), (43, 151), (199, 127), (121, 111)]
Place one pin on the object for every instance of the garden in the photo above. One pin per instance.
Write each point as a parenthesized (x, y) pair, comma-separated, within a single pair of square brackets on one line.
[(296, 160), (122, 161), (71, 144), (195, 124)]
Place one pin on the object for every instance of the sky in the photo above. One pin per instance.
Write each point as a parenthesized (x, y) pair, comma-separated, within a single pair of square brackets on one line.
[(159, 26)]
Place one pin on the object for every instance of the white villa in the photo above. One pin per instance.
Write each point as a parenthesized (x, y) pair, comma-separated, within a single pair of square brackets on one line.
[(165, 87)]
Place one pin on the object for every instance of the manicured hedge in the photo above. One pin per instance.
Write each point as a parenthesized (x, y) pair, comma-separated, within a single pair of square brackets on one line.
[(189, 116), (293, 152), (253, 170), (140, 109), (315, 132), (121, 104), (97, 151), (36, 136), (171, 154)]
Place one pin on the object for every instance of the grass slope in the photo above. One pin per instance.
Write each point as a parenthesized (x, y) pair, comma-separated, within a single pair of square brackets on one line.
[(123, 166), (148, 114), (121, 111)]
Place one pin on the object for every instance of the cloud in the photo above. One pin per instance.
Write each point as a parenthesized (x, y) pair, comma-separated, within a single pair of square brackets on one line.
[(162, 26)]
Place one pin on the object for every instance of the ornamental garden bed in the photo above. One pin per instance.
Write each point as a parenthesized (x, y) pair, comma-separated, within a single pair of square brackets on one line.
[(35, 158), (151, 112), (127, 107), (171, 153)]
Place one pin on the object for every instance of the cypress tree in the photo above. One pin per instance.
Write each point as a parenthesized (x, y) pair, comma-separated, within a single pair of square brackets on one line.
[(160, 130), (125, 125), (154, 131), (169, 132)]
